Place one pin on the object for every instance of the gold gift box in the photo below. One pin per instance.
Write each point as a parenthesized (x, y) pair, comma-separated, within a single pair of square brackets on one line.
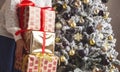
[(34, 41)]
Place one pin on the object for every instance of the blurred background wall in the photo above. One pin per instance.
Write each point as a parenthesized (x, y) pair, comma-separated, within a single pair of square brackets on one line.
[(114, 9)]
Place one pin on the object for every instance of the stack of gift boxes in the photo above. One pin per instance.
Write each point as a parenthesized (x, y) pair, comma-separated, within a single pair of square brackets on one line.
[(37, 29)]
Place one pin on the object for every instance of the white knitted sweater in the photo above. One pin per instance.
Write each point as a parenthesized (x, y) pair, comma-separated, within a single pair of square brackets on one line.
[(9, 20)]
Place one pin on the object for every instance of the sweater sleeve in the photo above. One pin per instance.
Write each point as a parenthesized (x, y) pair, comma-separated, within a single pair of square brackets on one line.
[(11, 19)]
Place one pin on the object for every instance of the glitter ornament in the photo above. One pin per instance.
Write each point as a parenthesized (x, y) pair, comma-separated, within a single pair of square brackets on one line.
[(90, 29), (104, 49), (57, 39), (62, 58), (96, 11), (58, 7), (72, 52), (77, 3), (72, 23), (96, 69), (86, 1), (92, 42), (78, 36), (65, 6), (81, 20), (110, 37), (106, 15), (58, 25)]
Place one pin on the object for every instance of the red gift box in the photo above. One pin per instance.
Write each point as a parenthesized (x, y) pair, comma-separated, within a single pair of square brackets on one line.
[(40, 63), (35, 18)]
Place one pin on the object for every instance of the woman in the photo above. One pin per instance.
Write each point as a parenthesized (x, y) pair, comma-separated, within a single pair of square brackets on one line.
[(8, 40), (10, 44)]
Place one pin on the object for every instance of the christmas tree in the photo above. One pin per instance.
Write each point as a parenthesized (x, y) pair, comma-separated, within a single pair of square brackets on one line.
[(84, 37)]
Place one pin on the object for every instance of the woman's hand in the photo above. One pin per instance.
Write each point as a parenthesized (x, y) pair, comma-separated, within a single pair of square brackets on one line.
[(20, 45)]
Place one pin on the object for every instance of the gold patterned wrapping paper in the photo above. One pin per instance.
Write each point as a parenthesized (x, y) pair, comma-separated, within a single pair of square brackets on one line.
[(34, 41)]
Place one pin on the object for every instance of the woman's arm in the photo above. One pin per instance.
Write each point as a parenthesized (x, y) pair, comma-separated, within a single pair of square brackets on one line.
[(11, 19)]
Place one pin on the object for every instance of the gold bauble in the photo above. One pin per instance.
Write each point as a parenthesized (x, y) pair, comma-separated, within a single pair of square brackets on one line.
[(65, 6), (86, 1), (57, 39), (72, 52), (62, 58), (96, 69), (111, 57), (72, 23), (92, 42), (58, 25), (96, 11), (81, 20), (111, 70), (106, 15), (110, 37), (78, 3), (104, 49), (113, 67)]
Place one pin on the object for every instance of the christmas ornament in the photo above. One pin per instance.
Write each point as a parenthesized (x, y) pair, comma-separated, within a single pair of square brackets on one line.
[(78, 36), (72, 52), (104, 1), (104, 49), (86, 1), (111, 57), (66, 16), (110, 37), (62, 58), (96, 11), (77, 3), (101, 36), (105, 46), (101, 13), (71, 30), (104, 60), (106, 15), (96, 69), (57, 39), (81, 53), (74, 11), (58, 7), (65, 6), (58, 25), (90, 29), (69, 37), (99, 27), (72, 23), (81, 20), (92, 42)]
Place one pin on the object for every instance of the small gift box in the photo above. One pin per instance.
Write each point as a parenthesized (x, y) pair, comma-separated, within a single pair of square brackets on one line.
[(34, 41), (47, 20), (35, 18), (39, 63), (29, 17)]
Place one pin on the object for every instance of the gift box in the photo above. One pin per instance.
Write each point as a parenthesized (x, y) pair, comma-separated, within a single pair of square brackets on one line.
[(34, 41), (39, 63), (35, 18), (47, 20)]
